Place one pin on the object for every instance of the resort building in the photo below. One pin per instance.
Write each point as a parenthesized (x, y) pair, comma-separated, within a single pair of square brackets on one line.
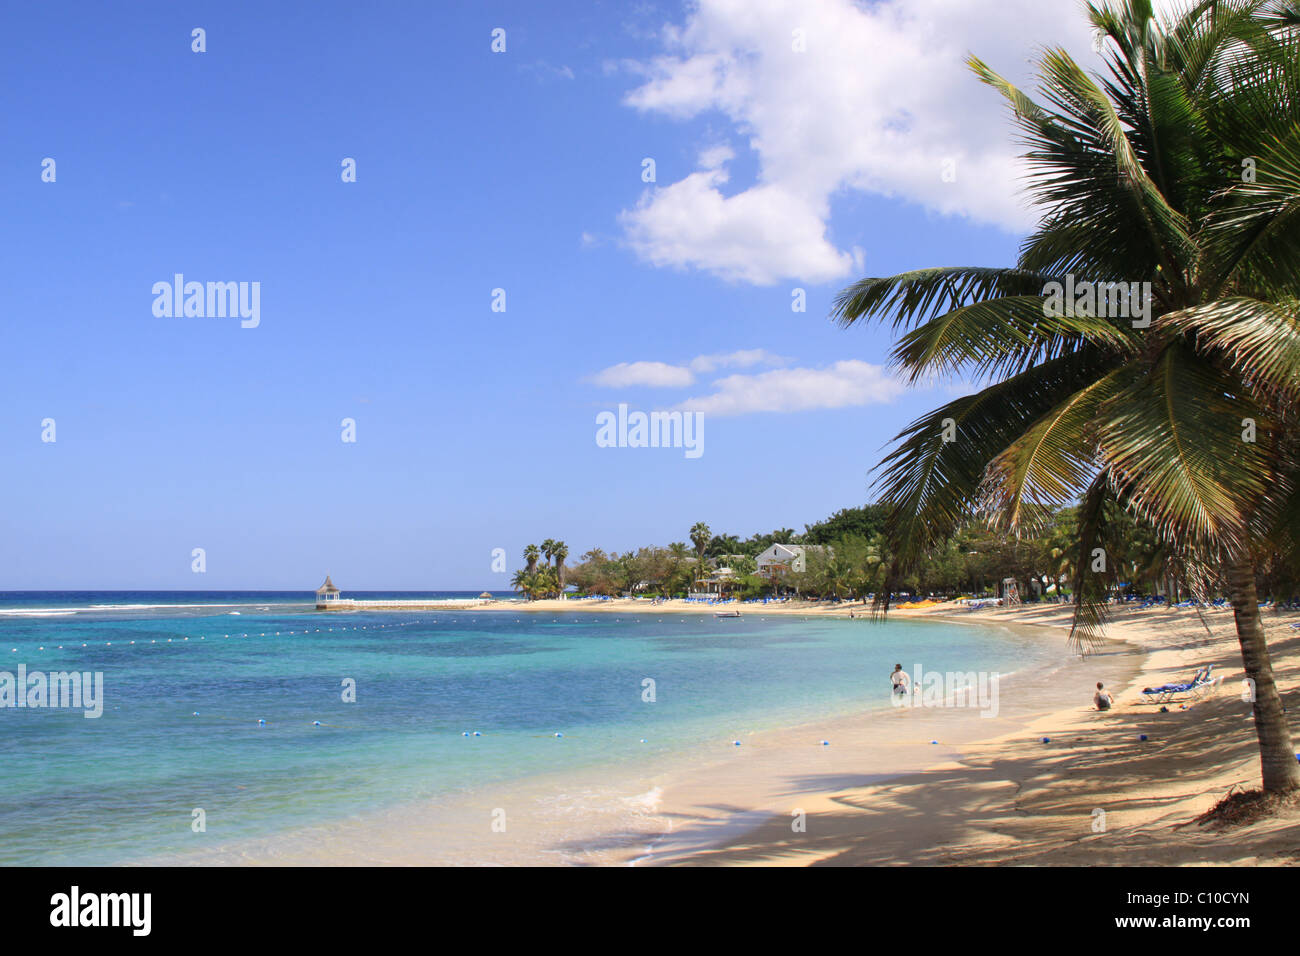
[(326, 594), (785, 557), (721, 581)]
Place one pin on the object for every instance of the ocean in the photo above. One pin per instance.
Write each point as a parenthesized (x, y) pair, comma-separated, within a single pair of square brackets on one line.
[(254, 715)]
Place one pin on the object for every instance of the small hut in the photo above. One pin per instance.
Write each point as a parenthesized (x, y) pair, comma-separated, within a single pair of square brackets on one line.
[(326, 594), (485, 596)]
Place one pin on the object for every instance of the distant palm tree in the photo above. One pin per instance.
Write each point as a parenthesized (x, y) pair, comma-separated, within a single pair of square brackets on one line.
[(523, 582), (1178, 173), (531, 554), (548, 549), (545, 582), (561, 551), (700, 537)]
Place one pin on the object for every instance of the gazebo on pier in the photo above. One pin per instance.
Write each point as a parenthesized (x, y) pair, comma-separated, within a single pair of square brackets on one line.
[(326, 594)]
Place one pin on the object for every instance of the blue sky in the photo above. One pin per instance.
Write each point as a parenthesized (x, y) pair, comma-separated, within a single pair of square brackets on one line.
[(476, 170)]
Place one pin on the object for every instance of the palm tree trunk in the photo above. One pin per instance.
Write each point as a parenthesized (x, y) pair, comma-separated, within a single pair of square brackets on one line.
[(1278, 765)]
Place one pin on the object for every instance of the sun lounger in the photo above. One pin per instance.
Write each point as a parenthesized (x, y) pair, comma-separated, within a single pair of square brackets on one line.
[(1201, 685)]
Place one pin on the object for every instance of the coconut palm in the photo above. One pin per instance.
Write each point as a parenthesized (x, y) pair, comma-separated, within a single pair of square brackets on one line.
[(700, 537), (1178, 170), (546, 582), (559, 551), (523, 582)]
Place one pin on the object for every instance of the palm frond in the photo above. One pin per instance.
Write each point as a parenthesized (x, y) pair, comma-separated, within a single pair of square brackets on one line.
[(915, 296), (1173, 442), (1003, 336)]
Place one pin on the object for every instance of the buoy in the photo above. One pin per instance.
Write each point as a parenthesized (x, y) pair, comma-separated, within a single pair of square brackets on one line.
[(643, 741), (1047, 740), (736, 743), (934, 741), (261, 720), (464, 733), (477, 734), (826, 743), (315, 723), (1142, 736), (559, 735), (196, 713)]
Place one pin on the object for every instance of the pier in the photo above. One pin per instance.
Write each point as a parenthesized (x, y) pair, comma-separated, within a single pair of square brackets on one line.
[(352, 604), (330, 598)]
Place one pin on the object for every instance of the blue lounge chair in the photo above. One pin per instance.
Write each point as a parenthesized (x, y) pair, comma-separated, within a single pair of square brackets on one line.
[(1201, 685)]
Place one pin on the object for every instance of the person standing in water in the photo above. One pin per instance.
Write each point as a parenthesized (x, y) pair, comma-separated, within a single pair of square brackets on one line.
[(899, 679)]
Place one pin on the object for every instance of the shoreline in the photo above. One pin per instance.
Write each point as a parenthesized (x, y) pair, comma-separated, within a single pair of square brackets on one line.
[(991, 792), (631, 812), (1094, 795), (763, 837)]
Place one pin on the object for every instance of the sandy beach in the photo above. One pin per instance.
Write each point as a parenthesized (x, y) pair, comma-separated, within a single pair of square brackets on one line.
[(1095, 794), (893, 786)]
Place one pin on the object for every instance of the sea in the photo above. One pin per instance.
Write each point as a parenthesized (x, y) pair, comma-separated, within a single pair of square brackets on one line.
[(233, 722)]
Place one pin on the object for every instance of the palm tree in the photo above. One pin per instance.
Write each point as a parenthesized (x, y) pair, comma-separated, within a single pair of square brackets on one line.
[(548, 549), (531, 554), (560, 551), (1142, 178), (700, 537), (545, 582), (677, 554), (523, 581)]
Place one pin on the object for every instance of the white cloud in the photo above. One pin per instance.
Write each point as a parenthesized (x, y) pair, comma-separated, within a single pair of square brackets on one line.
[(663, 375), (877, 103), (656, 374), (760, 235), (846, 383), (743, 358), (716, 156)]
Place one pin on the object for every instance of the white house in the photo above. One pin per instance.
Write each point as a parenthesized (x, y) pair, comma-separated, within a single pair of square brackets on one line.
[(785, 557)]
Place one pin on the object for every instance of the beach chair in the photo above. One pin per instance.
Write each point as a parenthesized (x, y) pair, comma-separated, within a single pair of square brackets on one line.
[(1202, 684)]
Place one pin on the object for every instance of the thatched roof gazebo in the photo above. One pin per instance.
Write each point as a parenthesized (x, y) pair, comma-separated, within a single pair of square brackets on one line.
[(326, 594)]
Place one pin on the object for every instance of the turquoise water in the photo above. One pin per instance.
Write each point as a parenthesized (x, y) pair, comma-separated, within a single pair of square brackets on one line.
[(122, 787)]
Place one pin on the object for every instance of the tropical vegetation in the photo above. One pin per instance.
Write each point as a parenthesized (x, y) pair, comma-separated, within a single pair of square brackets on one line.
[(1164, 412)]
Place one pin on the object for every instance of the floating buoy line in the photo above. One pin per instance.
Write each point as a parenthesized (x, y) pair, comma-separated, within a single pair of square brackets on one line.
[(263, 722)]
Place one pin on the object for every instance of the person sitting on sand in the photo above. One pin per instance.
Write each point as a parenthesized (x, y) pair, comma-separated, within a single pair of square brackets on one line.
[(899, 679), (1102, 699)]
